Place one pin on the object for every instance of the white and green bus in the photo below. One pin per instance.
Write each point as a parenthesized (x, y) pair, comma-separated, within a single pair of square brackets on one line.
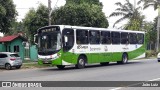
[(64, 45)]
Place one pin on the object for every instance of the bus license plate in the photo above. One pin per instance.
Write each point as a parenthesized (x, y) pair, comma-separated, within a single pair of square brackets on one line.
[(46, 61)]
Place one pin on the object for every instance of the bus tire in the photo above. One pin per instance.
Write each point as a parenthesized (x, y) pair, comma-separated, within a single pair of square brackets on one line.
[(81, 62), (60, 66), (104, 63), (124, 59)]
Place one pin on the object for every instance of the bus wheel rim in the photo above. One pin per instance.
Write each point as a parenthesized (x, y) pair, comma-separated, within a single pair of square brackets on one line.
[(125, 59), (81, 62)]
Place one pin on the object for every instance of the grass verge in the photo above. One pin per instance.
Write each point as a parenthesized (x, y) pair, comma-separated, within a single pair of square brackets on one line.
[(34, 65)]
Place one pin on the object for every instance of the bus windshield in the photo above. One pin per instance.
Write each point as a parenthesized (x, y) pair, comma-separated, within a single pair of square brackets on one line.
[(49, 42)]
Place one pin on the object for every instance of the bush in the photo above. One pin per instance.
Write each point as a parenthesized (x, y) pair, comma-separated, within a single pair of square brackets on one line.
[(151, 53)]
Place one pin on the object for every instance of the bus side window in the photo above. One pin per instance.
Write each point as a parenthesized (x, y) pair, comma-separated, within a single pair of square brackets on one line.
[(82, 36), (69, 34), (105, 37), (133, 38), (94, 37), (115, 37), (124, 38), (140, 38)]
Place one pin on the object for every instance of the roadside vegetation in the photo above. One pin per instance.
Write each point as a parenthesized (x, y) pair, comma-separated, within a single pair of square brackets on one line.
[(151, 53), (29, 64), (33, 65)]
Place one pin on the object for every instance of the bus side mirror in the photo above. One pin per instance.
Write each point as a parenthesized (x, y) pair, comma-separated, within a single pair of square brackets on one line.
[(36, 39), (65, 39)]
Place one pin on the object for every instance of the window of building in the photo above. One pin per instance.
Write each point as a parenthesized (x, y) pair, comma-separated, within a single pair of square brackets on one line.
[(115, 37), (94, 37), (16, 48), (105, 37), (82, 37)]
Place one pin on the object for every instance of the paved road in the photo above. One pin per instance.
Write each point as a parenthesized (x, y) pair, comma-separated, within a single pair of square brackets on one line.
[(143, 70)]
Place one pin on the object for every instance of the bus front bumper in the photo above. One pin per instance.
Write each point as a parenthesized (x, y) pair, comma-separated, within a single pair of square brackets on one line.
[(52, 62)]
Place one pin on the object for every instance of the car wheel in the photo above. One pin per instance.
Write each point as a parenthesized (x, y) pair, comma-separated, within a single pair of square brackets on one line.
[(60, 66), (8, 66), (18, 67)]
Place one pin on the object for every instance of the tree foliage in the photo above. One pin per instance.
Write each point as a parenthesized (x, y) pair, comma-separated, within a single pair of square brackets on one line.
[(73, 13), (17, 27), (135, 23), (156, 5), (7, 15), (148, 3), (35, 19), (151, 33), (77, 2), (76, 12), (130, 13)]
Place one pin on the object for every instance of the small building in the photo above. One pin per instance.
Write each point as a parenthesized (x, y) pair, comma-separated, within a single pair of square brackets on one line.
[(13, 43)]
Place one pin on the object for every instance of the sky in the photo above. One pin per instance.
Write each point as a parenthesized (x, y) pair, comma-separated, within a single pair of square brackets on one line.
[(23, 6)]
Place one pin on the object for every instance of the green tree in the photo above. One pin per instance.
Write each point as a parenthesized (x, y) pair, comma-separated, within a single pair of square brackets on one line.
[(156, 5), (135, 23), (17, 27), (128, 12), (96, 2), (151, 33), (80, 14), (148, 3), (35, 19), (7, 15)]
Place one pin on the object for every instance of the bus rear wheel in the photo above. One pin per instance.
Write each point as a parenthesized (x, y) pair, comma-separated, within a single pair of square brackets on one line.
[(81, 62), (60, 66), (124, 59)]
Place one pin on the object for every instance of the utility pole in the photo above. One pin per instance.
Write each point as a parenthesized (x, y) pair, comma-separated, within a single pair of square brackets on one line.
[(135, 4), (158, 28), (49, 12)]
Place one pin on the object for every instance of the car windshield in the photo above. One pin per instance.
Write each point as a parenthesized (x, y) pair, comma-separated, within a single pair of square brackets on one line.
[(14, 55)]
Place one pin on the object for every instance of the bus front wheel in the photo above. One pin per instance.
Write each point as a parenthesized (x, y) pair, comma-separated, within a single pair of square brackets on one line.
[(60, 66), (81, 62)]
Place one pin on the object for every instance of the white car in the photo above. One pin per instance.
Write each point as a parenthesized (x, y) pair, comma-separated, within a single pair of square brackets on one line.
[(9, 60), (158, 57)]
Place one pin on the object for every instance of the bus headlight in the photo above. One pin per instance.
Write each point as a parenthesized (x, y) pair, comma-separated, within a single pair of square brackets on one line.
[(57, 56)]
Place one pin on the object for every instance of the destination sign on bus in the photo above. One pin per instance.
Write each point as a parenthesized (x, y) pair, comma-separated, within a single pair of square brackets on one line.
[(49, 30)]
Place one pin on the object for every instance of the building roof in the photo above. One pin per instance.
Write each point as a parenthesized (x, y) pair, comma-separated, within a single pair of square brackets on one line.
[(10, 38)]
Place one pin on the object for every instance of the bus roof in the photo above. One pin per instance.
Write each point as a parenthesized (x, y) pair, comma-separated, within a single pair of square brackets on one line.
[(93, 28)]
